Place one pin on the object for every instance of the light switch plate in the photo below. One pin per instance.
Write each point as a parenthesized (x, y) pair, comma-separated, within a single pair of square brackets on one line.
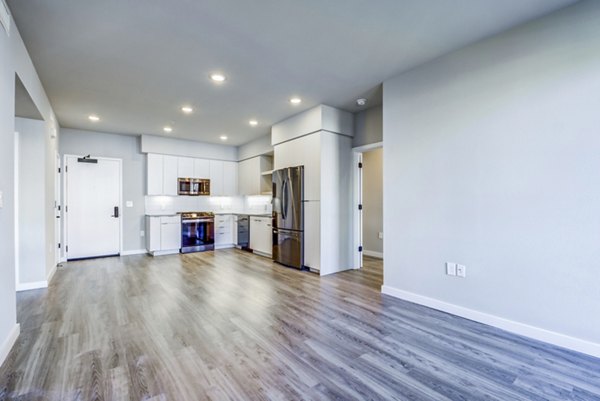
[(451, 269), (461, 270), (380, 235)]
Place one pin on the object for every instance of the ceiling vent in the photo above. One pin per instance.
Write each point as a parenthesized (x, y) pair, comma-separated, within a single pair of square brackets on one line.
[(5, 17)]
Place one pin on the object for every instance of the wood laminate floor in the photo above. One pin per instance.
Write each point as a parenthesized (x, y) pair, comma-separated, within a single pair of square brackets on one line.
[(229, 325)]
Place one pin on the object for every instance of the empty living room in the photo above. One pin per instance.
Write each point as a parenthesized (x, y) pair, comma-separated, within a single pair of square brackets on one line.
[(299, 200)]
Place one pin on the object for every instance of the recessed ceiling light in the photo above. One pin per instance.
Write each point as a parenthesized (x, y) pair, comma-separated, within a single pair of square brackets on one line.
[(223, 137), (295, 100), (187, 109), (253, 123), (168, 129), (361, 102), (94, 118), (217, 77)]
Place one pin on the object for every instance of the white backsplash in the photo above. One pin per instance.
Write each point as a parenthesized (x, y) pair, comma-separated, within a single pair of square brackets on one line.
[(237, 204)]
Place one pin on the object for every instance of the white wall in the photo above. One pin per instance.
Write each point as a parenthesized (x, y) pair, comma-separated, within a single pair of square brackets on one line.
[(373, 200), (491, 160), (368, 127), (15, 59), (182, 147), (31, 216), (127, 148)]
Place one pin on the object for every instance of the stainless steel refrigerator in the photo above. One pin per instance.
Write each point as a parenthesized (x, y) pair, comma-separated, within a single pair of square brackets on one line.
[(288, 216)]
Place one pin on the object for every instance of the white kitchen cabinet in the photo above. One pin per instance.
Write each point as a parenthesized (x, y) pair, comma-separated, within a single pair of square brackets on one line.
[(201, 168), (170, 165), (261, 235), (224, 237), (250, 175), (230, 178), (163, 234), (185, 167), (155, 174), (216, 178), (162, 174)]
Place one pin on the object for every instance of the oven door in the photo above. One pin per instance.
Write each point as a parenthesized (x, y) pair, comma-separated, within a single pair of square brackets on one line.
[(197, 235)]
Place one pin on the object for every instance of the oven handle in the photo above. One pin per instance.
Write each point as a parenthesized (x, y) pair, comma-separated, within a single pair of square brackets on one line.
[(197, 221)]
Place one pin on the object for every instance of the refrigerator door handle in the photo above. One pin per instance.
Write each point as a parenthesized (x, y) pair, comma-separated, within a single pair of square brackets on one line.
[(284, 199)]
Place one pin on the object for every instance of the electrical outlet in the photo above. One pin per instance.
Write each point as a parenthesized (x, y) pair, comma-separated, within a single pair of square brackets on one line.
[(129, 204), (461, 270), (142, 233), (451, 269), (380, 235)]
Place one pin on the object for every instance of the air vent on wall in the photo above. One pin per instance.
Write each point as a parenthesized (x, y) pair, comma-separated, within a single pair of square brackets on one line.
[(5, 17)]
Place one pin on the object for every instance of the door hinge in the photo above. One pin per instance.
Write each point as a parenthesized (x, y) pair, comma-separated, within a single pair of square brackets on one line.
[(66, 209), (360, 249), (360, 207), (59, 245), (59, 170), (67, 248), (359, 165)]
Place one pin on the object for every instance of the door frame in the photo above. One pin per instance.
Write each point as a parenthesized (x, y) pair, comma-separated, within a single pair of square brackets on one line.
[(65, 199), (58, 215), (16, 209), (357, 199)]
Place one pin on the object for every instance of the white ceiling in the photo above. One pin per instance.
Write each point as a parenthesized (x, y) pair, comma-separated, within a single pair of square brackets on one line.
[(136, 62)]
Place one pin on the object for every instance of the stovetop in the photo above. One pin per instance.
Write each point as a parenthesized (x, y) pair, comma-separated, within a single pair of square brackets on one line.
[(194, 215)]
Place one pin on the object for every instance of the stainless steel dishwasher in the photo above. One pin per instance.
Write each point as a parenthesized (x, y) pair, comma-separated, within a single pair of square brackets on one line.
[(243, 231)]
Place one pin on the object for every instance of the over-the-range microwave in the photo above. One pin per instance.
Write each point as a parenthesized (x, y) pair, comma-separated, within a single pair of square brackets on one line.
[(193, 186)]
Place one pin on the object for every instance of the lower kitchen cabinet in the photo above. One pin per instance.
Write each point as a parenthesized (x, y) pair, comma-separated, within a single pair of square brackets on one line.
[(163, 234), (261, 235), (224, 237)]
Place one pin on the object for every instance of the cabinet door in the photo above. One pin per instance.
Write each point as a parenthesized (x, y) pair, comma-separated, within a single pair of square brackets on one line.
[(185, 167), (170, 175), (201, 168), (152, 233), (170, 236), (266, 236), (216, 178), (249, 176), (223, 230), (312, 235), (254, 233), (230, 178), (155, 174)]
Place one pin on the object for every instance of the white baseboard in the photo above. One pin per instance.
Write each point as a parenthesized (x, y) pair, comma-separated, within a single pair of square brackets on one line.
[(263, 254), (537, 333), (9, 342), (36, 285), (224, 246), (134, 252), (51, 274), (163, 253), (373, 254)]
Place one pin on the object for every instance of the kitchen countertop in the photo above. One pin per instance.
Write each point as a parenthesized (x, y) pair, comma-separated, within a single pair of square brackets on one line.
[(216, 214)]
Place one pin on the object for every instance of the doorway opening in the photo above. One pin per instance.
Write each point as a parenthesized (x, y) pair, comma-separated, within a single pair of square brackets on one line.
[(368, 227), (92, 207)]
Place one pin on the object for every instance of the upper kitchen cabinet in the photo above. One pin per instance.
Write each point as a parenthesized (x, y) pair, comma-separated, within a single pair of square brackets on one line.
[(162, 174), (186, 167), (252, 181), (230, 178), (201, 168), (216, 178)]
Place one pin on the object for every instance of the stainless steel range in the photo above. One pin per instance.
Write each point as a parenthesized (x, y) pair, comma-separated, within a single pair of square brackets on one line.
[(197, 231)]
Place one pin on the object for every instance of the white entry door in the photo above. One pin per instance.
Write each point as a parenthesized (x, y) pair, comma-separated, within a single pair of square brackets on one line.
[(92, 207)]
